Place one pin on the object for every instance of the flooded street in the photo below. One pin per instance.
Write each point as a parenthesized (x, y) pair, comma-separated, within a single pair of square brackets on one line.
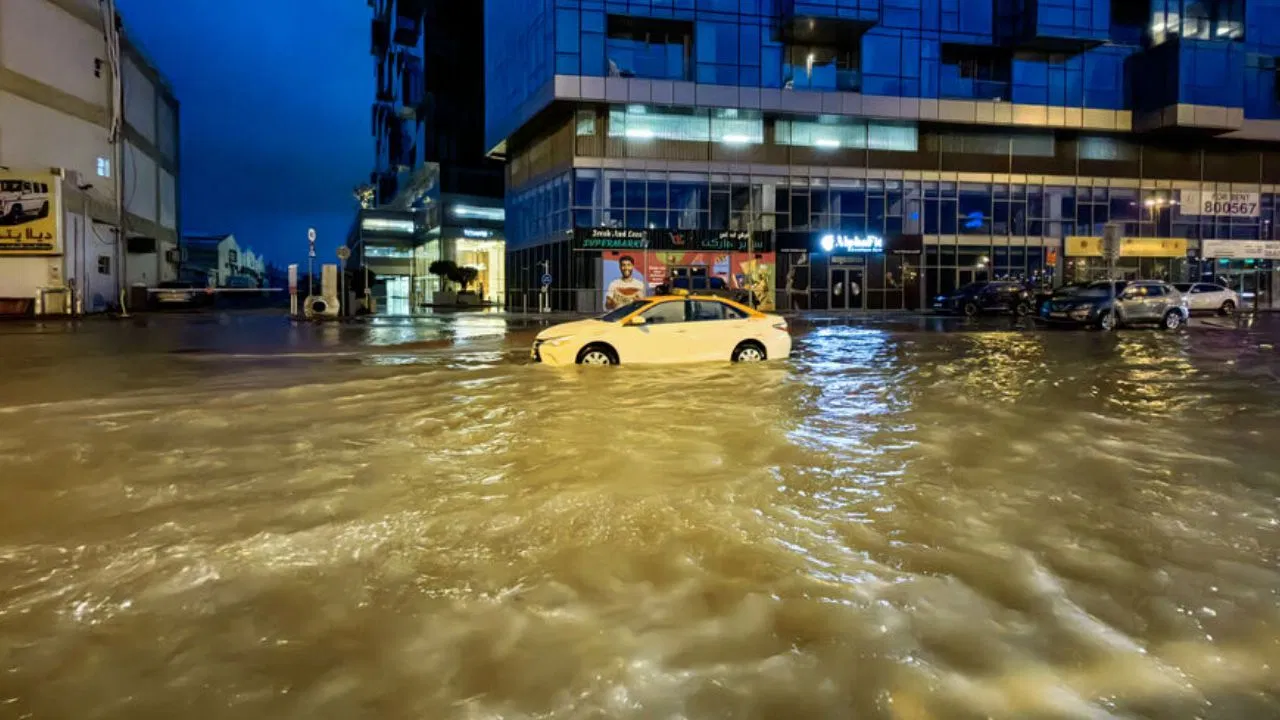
[(225, 517)]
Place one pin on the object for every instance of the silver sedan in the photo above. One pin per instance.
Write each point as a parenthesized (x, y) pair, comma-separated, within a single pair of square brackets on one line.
[(1208, 297)]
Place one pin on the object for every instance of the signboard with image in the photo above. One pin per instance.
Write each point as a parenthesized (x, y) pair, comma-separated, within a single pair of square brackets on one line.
[(28, 213)]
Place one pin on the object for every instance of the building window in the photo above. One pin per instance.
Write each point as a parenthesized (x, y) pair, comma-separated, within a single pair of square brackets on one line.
[(975, 73), (104, 264), (837, 132), (649, 48), (1197, 19), (232, 257), (821, 68), (586, 123), (638, 122), (104, 167)]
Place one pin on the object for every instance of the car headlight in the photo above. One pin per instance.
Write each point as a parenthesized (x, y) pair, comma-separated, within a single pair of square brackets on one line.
[(553, 342)]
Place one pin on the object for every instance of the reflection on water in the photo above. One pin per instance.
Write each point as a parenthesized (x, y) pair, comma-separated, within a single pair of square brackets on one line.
[(897, 524)]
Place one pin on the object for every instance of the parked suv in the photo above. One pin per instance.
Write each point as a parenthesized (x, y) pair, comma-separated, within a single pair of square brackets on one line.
[(1145, 301), (986, 297), (22, 200)]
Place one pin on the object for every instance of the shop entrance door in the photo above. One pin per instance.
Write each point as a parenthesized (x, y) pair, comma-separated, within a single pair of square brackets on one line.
[(846, 288)]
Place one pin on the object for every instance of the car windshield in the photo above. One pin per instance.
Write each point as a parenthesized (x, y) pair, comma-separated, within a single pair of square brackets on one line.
[(1099, 289), (618, 314), (1183, 287), (972, 287)]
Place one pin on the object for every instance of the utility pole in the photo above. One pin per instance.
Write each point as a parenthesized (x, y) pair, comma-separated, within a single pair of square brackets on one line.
[(115, 136)]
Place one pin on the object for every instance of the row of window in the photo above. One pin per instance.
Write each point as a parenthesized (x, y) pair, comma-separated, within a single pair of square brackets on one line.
[(638, 200), (642, 123)]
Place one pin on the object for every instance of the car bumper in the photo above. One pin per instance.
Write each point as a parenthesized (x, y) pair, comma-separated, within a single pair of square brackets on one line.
[(553, 355)]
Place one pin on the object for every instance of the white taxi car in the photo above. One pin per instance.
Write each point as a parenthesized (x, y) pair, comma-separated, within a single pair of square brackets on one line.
[(667, 329)]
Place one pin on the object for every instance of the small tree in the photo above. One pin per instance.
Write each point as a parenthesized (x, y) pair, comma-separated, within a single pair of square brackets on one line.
[(466, 276), (445, 270)]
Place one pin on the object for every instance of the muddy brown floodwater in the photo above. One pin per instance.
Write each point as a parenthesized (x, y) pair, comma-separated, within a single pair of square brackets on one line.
[(199, 521)]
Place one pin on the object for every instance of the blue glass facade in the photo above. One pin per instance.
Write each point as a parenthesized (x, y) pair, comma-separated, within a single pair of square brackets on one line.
[(1060, 53), (995, 130)]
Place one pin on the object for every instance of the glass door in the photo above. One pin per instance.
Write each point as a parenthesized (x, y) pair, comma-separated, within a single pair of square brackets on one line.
[(846, 288)]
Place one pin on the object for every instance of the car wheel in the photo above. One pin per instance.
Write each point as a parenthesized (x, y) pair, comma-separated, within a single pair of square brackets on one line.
[(971, 309), (44, 210), (597, 355), (1172, 320), (1228, 308), (1023, 309), (749, 352), (15, 215), (1107, 320)]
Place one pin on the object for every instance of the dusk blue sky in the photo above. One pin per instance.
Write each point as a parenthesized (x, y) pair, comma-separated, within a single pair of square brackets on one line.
[(275, 101)]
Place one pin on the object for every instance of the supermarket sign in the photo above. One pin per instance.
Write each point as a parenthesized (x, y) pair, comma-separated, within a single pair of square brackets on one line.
[(1222, 204)]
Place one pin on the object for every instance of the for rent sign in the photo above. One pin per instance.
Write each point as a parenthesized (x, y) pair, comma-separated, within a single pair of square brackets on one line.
[(1221, 203)]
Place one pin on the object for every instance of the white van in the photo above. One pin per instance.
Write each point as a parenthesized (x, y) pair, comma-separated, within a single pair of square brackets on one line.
[(23, 200)]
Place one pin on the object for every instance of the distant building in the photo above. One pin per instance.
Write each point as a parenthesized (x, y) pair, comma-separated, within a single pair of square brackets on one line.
[(219, 261), (58, 168), (436, 193)]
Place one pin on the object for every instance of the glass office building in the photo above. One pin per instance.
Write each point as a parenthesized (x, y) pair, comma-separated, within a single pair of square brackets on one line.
[(875, 153)]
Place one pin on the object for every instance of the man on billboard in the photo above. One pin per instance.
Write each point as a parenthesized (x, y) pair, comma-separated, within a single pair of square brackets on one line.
[(626, 288)]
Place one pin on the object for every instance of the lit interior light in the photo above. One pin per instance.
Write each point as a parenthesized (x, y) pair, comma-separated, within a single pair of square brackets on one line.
[(826, 143), (468, 211), (640, 133), (736, 139), (387, 225)]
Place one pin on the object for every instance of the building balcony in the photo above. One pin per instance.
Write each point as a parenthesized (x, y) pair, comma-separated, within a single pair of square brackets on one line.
[(380, 36), (821, 77), (826, 21), (408, 29), (412, 85), (1055, 26), (1188, 85)]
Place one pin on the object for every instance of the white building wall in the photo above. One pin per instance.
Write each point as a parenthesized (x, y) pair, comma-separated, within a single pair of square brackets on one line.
[(168, 201), (86, 242), (46, 43), (167, 130), (35, 137), (139, 100), (227, 249), (140, 183)]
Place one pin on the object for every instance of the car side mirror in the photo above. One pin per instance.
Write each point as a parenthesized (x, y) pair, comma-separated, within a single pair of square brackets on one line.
[(637, 321)]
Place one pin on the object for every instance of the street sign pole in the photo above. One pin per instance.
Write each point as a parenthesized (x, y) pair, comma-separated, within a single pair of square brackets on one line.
[(311, 259), (343, 255), (1111, 234)]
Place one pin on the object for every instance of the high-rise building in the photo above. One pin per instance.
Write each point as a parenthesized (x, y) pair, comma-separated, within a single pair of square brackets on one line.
[(432, 173), (876, 153), (62, 171)]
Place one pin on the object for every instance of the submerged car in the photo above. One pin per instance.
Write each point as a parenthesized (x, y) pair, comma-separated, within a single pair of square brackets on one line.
[(1208, 297), (986, 297), (667, 329), (1105, 307)]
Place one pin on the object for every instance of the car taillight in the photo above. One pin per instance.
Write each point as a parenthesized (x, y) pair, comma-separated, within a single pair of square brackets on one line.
[(780, 325)]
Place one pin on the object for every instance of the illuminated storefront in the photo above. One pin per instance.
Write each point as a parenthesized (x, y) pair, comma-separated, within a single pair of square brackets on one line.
[(840, 271), (1140, 258)]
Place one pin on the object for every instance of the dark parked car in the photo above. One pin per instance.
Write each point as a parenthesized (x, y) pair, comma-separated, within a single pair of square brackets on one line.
[(1043, 294), (986, 297), (1145, 301)]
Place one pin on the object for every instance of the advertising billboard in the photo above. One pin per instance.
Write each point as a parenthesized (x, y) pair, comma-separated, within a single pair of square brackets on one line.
[(28, 213), (633, 274)]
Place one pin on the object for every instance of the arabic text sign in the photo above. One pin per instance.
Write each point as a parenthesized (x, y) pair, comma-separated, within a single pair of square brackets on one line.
[(1223, 204), (28, 213), (1240, 250)]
